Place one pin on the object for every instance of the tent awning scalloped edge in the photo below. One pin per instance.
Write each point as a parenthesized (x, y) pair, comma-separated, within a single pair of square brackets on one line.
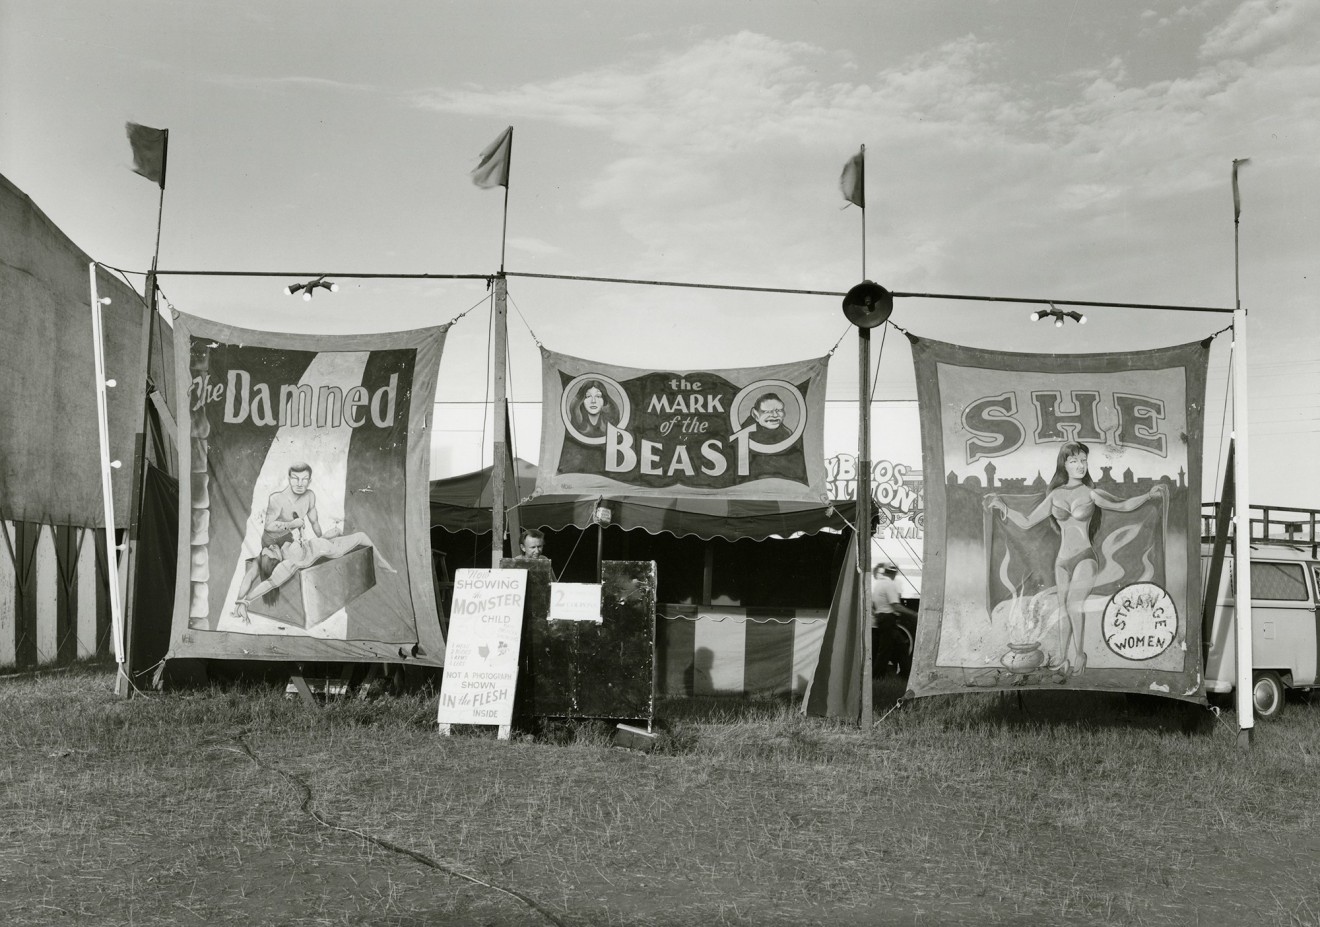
[(463, 503)]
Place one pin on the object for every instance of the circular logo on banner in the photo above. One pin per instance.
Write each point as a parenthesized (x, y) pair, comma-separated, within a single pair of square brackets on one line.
[(589, 403), (774, 410), (1140, 622)]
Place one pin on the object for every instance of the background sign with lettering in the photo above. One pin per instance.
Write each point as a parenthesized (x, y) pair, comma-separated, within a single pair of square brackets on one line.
[(1062, 533), (304, 502), (485, 633), (753, 432), (896, 493)]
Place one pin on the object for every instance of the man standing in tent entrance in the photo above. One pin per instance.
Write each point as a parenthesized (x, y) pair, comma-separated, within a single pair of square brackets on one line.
[(888, 642)]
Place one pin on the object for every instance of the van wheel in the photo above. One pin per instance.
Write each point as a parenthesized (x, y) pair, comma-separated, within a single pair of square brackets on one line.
[(1267, 695)]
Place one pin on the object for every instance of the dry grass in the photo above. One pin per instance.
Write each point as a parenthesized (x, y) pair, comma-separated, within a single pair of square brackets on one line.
[(1059, 809)]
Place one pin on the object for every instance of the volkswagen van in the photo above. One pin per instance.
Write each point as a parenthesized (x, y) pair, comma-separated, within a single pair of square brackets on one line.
[(1285, 622)]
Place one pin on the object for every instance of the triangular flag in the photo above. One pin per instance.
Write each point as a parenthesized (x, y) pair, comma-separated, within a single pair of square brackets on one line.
[(493, 169), (853, 179), (150, 147)]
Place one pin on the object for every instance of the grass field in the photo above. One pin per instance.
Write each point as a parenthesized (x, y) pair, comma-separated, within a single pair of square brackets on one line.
[(238, 805)]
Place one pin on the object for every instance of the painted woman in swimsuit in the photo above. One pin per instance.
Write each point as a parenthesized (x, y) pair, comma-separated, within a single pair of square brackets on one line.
[(1074, 503)]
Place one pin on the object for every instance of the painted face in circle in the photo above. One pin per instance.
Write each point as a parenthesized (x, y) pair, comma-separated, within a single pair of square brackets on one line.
[(770, 414), (593, 401), (1076, 466)]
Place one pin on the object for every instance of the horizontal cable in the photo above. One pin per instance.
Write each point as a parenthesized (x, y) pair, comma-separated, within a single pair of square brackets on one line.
[(537, 402), (304, 273), (1065, 302), (897, 294)]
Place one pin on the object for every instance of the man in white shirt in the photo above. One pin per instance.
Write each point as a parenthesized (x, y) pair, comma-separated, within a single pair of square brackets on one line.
[(888, 642)]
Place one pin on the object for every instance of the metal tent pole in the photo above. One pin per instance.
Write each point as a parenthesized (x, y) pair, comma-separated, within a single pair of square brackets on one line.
[(107, 465)]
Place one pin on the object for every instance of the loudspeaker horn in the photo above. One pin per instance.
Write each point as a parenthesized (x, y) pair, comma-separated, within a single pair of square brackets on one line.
[(868, 304)]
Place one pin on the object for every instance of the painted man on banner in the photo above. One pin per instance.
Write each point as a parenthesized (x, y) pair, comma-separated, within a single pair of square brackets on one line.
[(292, 540)]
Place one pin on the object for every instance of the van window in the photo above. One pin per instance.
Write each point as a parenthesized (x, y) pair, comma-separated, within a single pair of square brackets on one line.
[(1284, 582)]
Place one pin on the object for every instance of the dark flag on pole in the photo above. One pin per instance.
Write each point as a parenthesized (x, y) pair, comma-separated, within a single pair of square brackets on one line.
[(1237, 200), (853, 179), (493, 168), (149, 150)]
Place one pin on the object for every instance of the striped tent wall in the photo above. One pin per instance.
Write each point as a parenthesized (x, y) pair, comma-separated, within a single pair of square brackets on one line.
[(712, 650), (54, 597)]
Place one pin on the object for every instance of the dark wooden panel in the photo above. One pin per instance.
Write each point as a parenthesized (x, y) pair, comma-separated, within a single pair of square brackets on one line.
[(575, 669)]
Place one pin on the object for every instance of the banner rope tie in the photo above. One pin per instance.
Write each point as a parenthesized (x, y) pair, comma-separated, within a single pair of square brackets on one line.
[(524, 321), (1225, 413), (467, 310), (830, 352), (879, 356), (893, 708), (1219, 716)]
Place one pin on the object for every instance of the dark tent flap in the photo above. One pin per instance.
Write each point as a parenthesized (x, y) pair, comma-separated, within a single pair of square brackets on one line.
[(50, 465), (463, 502)]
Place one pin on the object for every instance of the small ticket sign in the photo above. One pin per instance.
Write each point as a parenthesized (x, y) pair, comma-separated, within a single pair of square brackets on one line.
[(575, 602), (481, 660)]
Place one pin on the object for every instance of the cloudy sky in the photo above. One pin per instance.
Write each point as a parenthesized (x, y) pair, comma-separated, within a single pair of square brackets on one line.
[(1030, 148)]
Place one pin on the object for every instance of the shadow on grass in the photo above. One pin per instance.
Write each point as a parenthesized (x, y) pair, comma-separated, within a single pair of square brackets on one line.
[(679, 722), (1065, 711)]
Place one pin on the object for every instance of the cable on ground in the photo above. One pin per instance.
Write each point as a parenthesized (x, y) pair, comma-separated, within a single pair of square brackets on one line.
[(306, 806)]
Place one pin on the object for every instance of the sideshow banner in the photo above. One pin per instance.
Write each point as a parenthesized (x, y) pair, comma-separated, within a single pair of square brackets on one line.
[(304, 496), (485, 636), (1063, 538), (749, 433), (897, 493)]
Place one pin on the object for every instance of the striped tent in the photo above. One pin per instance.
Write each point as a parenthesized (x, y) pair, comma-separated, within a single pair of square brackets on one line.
[(714, 650), (700, 649)]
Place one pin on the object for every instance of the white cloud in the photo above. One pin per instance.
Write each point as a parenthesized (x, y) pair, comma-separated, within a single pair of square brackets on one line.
[(533, 246), (291, 82), (720, 162), (1255, 24)]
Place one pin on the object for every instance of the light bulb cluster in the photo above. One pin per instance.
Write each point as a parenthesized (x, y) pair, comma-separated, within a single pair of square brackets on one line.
[(1058, 315), (310, 287)]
